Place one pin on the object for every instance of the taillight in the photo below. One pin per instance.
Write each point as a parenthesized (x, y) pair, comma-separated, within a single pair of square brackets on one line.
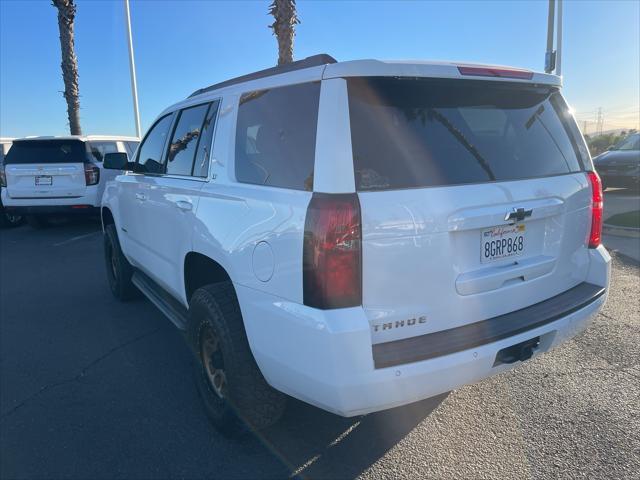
[(91, 174), (496, 72), (597, 203), (332, 258), (3, 178)]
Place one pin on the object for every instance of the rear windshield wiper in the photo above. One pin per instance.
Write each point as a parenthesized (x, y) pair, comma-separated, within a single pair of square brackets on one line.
[(459, 136)]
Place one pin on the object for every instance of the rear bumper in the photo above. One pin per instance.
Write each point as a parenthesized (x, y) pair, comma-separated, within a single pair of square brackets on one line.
[(444, 342), (89, 203), (326, 358)]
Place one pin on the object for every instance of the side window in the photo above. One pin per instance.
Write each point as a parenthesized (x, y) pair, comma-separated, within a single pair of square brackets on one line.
[(99, 149), (150, 152), (201, 166), (276, 136), (184, 141)]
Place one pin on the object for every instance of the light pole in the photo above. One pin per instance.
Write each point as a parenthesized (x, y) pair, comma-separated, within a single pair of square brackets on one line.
[(549, 58), (132, 70), (559, 41), (553, 58)]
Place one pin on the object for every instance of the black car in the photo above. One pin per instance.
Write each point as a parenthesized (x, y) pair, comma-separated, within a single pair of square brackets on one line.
[(6, 219), (620, 166)]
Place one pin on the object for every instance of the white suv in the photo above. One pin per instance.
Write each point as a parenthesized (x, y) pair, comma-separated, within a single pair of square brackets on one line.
[(58, 175), (360, 235), (7, 219)]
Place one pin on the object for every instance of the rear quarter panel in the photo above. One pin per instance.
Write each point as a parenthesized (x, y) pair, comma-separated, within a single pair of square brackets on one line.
[(233, 218), (256, 233)]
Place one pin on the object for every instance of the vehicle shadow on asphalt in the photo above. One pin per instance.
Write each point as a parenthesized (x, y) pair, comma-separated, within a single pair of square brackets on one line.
[(313, 443), (146, 358), (57, 225)]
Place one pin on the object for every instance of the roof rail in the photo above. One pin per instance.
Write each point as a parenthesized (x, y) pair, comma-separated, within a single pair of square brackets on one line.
[(313, 61)]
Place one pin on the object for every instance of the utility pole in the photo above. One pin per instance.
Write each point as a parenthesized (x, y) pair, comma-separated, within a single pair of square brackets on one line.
[(132, 69), (549, 58), (600, 121), (559, 41)]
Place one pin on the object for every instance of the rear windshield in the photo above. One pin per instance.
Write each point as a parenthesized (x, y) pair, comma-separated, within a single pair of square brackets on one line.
[(412, 133), (47, 151)]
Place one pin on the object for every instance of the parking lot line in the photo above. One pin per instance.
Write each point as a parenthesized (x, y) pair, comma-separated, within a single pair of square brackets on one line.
[(75, 239)]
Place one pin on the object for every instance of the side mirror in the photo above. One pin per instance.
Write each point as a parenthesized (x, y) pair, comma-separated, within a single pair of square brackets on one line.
[(116, 161)]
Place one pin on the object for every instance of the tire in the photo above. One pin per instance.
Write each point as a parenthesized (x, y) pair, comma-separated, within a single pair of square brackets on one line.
[(37, 221), (9, 220), (243, 399), (119, 270)]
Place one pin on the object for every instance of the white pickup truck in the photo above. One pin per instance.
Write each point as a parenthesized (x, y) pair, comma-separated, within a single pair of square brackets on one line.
[(360, 235)]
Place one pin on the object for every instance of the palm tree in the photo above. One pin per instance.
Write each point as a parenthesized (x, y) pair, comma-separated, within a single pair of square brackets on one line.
[(66, 17), (285, 16)]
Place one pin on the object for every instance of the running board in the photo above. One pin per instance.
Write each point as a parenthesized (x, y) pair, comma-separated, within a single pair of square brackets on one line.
[(172, 309)]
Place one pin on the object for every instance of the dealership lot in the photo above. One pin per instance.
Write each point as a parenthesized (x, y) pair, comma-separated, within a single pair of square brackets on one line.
[(92, 388)]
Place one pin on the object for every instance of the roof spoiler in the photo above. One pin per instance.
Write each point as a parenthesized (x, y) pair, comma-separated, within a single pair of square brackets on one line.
[(313, 61)]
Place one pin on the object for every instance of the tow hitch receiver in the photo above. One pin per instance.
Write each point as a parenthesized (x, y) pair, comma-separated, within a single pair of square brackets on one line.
[(517, 353)]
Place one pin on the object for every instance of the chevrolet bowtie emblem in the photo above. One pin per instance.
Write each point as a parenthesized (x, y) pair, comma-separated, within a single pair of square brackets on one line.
[(517, 214)]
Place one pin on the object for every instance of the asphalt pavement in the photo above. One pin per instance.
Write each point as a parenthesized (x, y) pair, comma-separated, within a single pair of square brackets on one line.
[(94, 388), (620, 200)]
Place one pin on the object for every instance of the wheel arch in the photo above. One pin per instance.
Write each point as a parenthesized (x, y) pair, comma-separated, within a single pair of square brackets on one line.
[(200, 270), (107, 217)]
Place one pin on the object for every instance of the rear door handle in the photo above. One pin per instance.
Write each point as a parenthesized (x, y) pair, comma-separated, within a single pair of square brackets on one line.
[(141, 196), (184, 205)]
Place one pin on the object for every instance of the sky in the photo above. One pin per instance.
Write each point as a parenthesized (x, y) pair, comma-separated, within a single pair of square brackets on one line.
[(181, 46)]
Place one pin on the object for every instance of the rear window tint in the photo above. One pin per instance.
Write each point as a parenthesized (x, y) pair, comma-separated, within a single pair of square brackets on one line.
[(276, 136), (47, 151), (411, 133)]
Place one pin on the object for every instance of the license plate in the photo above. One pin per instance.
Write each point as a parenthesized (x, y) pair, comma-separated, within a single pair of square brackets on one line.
[(502, 242), (44, 180)]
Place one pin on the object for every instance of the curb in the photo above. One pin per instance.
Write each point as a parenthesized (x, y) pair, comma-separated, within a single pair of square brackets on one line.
[(621, 231)]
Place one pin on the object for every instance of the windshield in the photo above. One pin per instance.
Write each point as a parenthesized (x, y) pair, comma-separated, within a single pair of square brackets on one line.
[(632, 142), (46, 151), (411, 133)]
